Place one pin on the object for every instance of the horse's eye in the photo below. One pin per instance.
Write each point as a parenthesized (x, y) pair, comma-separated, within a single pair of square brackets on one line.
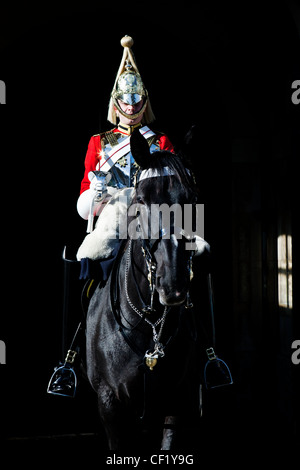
[(139, 199)]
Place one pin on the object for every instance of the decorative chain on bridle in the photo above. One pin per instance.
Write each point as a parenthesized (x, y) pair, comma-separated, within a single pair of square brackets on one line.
[(147, 309), (158, 352)]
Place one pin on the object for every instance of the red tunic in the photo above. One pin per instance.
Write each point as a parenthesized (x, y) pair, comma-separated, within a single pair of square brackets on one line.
[(93, 155)]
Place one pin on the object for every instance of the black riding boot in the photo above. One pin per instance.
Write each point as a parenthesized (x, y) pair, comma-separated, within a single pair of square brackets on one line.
[(64, 380)]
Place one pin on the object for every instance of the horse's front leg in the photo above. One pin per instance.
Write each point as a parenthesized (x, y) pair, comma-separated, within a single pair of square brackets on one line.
[(109, 410), (169, 433), (119, 424)]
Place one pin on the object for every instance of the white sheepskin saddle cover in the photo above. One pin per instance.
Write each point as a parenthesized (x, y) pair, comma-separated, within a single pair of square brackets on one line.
[(101, 242)]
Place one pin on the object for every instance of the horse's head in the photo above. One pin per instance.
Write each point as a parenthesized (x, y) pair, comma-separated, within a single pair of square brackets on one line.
[(164, 200)]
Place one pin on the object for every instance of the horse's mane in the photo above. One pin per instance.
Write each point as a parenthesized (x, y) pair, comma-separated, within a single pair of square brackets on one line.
[(175, 163)]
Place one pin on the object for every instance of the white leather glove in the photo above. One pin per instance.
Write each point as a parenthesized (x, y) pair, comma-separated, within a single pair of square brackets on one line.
[(98, 184)]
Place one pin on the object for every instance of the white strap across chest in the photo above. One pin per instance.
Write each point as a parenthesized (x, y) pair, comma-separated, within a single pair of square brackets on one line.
[(121, 149)]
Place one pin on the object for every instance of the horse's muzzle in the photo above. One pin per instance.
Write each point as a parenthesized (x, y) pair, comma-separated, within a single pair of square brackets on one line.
[(171, 298)]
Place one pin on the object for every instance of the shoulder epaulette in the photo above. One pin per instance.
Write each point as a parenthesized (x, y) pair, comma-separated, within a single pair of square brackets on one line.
[(108, 137), (153, 140)]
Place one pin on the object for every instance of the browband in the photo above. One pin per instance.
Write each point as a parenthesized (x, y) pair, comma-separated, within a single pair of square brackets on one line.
[(153, 172)]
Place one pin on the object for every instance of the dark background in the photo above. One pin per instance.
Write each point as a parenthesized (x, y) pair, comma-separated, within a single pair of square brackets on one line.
[(226, 69)]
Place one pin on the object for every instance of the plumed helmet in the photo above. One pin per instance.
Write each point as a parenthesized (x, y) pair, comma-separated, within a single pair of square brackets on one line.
[(129, 87)]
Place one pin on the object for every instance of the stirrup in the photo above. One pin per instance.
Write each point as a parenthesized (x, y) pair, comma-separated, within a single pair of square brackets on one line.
[(63, 381), (216, 371)]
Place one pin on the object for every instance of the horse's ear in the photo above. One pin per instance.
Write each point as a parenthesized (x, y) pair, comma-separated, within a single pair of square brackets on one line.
[(140, 149), (190, 142), (189, 146)]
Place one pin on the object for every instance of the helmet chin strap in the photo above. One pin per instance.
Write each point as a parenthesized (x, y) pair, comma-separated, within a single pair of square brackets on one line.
[(131, 116)]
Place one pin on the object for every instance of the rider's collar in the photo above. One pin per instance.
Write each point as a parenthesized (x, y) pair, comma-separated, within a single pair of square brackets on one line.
[(128, 129)]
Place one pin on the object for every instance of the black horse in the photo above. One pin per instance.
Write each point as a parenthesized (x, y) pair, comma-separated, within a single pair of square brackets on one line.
[(140, 327)]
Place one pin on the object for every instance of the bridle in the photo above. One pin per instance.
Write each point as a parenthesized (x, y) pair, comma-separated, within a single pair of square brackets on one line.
[(148, 247)]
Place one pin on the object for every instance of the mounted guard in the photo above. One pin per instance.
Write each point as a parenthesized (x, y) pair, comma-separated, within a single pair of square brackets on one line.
[(109, 169), (107, 189)]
